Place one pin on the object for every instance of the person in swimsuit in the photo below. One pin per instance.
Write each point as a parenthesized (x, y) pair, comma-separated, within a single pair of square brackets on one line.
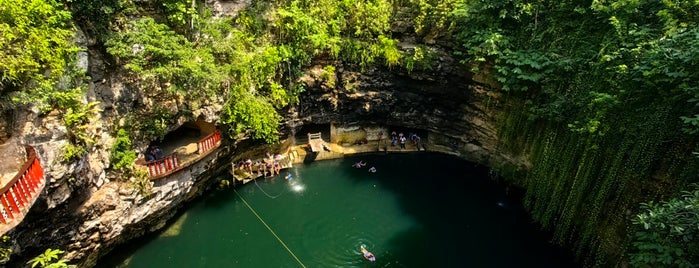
[(269, 167), (248, 165), (367, 255), (277, 167)]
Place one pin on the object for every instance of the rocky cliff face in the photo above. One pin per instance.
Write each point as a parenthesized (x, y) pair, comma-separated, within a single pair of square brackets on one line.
[(87, 211), (456, 112), (85, 208)]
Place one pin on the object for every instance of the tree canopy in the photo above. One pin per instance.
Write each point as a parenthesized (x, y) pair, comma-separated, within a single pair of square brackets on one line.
[(35, 37)]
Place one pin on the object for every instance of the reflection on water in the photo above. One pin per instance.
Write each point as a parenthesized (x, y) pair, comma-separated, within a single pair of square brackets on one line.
[(175, 228), (421, 210)]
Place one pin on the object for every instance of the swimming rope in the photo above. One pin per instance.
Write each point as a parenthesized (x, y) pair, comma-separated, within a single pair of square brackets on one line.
[(269, 228), (263, 191)]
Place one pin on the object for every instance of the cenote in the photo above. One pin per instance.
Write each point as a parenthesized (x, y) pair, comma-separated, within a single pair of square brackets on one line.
[(418, 210)]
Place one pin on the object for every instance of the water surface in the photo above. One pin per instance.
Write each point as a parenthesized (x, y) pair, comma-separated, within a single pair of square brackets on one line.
[(417, 210)]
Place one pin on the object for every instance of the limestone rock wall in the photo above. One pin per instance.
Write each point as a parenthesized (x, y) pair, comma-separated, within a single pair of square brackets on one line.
[(457, 113), (224, 8), (85, 209)]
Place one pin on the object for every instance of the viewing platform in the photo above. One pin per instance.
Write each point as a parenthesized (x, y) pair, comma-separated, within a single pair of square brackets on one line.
[(241, 175), (183, 151), (286, 159), (19, 193)]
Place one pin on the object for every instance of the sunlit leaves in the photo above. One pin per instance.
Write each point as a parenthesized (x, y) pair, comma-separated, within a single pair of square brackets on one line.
[(49, 259), (122, 156), (35, 37), (181, 13), (251, 112), (165, 59), (356, 31), (433, 16)]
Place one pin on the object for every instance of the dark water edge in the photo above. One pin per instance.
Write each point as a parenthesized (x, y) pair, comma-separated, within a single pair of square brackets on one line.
[(466, 217)]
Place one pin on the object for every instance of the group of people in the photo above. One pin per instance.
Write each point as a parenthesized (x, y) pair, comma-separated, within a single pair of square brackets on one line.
[(401, 139), (270, 163), (361, 164), (154, 153)]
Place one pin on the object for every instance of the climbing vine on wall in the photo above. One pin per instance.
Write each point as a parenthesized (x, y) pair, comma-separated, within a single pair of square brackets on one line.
[(602, 100)]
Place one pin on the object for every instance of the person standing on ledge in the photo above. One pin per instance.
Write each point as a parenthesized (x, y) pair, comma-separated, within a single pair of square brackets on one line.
[(417, 142)]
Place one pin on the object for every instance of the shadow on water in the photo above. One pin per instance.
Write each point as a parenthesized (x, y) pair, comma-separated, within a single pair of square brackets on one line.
[(120, 256), (485, 220)]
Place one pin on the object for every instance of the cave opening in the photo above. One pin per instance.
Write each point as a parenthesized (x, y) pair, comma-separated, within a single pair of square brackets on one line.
[(184, 139)]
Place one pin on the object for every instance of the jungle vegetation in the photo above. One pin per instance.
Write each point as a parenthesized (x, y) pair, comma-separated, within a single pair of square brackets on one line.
[(605, 103), (601, 95)]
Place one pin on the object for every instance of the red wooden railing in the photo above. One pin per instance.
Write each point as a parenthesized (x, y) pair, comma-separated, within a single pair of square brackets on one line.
[(172, 163), (209, 142), (20, 193), (163, 166)]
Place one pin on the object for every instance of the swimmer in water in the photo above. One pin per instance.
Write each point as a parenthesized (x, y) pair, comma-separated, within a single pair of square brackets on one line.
[(372, 170), (367, 255)]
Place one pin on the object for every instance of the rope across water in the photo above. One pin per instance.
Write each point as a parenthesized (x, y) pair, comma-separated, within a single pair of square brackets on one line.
[(263, 191), (269, 228)]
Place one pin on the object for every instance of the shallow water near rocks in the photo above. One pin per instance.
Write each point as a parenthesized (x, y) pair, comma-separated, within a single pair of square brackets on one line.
[(417, 210)]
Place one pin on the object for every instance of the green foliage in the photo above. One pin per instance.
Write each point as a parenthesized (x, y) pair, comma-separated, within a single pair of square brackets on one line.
[(420, 59), (433, 16), (524, 69), (122, 155), (139, 180), (356, 31), (5, 249), (96, 16), (49, 259), (329, 76), (666, 234), (79, 123), (609, 104), (181, 14), (252, 112), (165, 60), (35, 37), (73, 152), (152, 124)]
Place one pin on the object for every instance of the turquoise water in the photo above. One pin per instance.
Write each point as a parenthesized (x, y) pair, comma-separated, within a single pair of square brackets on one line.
[(417, 210)]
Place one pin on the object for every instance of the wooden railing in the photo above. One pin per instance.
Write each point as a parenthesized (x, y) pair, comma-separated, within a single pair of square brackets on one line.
[(315, 142), (313, 136), (170, 164), (161, 167), (18, 195), (209, 142)]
